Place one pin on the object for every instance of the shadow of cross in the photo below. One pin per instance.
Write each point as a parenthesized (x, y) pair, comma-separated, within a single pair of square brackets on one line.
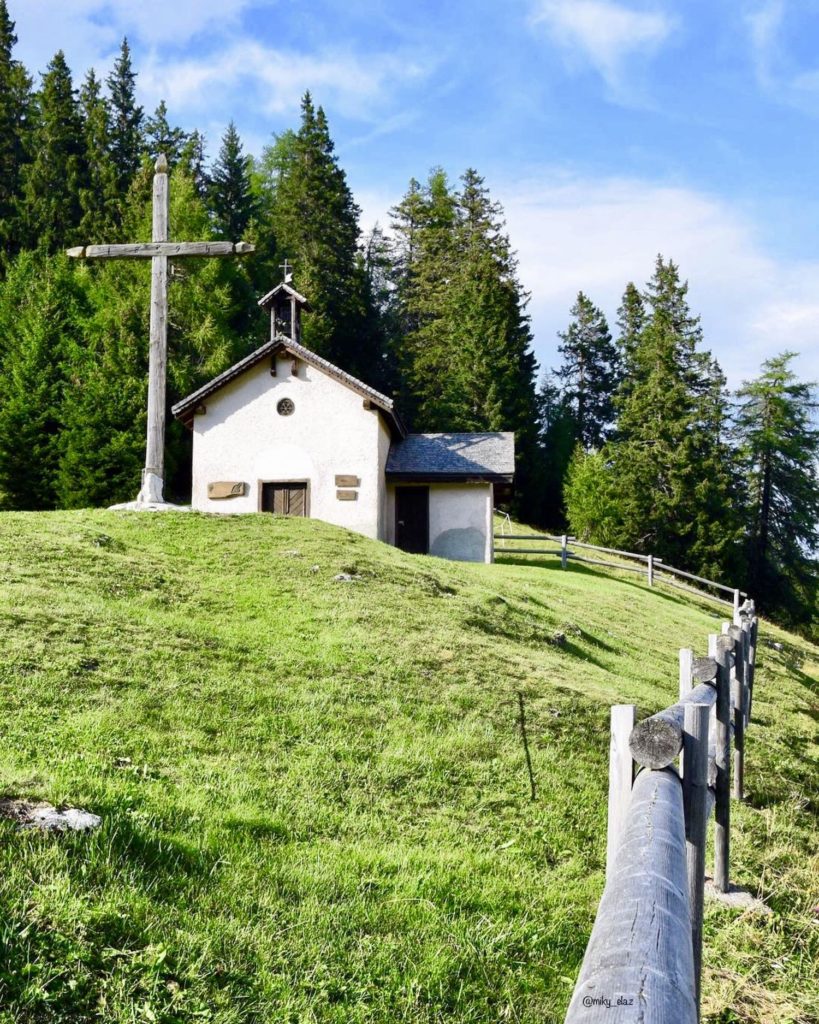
[(159, 250)]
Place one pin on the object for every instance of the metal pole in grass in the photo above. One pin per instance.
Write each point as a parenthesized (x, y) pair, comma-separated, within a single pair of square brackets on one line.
[(651, 570), (564, 554), (695, 803)]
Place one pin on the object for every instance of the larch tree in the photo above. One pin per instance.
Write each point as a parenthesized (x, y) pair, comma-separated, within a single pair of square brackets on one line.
[(40, 307), (779, 450), (57, 174), (590, 372)]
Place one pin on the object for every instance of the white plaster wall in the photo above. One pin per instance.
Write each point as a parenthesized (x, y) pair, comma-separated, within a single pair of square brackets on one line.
[(241, 437), (384, 442), (460, 521)]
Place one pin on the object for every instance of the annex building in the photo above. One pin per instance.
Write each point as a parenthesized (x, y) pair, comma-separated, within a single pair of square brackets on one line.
[(287, 432)]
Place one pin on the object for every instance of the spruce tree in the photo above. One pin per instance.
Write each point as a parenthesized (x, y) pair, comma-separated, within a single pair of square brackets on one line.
[(230, 191), (99, 199), (15, 135), (127, 142), (192, 162), (161, 137), (589, 373), (58, 173), (677, 494), (314, 219), (779, 450)]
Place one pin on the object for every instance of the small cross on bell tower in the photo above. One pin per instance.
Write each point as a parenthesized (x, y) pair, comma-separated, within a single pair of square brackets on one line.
[(285, 306)]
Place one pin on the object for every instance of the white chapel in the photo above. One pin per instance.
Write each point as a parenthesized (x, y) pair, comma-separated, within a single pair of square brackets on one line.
[(287, 432)]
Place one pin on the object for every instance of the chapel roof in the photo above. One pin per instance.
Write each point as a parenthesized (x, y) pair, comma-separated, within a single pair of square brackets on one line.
[(185, 409), (441, 457)]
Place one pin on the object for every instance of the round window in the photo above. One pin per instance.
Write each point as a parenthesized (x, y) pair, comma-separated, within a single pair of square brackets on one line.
[(286, 407)]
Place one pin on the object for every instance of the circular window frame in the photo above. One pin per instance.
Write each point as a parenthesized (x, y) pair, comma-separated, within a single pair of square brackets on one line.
[(286, 407)]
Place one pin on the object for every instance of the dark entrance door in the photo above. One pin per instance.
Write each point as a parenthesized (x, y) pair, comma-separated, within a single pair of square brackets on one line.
[(285, 499), (412, 519)]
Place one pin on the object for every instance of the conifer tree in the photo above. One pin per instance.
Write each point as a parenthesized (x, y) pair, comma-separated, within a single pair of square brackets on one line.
[(161, 137), (127, 142), (192, 162), (557, 444), (15, 134), (315, 222), (230, 191), (677, 495), (40, 306), (99, 199), (58, 172), (779, 449), (590, 372)]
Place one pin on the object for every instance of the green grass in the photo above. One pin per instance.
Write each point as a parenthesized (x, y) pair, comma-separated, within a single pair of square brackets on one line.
[(314, 795)]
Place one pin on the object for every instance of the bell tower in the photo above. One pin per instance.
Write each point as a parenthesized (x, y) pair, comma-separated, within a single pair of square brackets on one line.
[(285, 306)]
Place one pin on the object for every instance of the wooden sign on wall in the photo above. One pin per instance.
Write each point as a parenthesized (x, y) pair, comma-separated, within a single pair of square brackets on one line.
[(347, 495), (226, 489), (347, 481)]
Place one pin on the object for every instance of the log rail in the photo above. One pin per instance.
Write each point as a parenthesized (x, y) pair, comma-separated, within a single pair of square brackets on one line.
[(643, 961)]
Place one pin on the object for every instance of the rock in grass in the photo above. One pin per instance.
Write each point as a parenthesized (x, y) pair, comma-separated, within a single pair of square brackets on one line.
[(47, 818)]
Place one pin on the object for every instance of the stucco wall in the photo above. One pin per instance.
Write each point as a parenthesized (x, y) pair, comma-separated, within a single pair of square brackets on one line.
[(241, 437), (460, 521)]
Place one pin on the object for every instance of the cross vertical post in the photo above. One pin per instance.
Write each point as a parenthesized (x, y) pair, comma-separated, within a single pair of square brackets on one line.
[(154, 472)]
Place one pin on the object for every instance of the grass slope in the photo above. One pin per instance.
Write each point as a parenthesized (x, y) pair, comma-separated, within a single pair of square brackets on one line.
[(314, 793)]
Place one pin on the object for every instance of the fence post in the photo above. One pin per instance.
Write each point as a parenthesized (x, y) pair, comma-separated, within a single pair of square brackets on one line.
[(695, 803), (738, 701), (686, 669), (621, 777), (752, 663), (651, 570), (722, 807), (736, 607), (564, 554)]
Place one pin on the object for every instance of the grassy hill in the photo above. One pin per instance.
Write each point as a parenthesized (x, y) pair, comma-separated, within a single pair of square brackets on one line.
[(314, 794)]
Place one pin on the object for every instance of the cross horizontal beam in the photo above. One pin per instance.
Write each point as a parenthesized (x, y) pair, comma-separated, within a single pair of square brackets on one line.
[(147, 250)]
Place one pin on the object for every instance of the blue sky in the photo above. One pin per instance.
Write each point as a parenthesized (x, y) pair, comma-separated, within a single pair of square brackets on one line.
[(610, 130)]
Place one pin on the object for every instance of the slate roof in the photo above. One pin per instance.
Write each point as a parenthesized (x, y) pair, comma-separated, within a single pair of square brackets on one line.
[(184, 410), (453, 457)]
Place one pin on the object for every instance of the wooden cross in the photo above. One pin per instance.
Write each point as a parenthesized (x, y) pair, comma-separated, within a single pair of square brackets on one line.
[(287, 270), (159, 251)]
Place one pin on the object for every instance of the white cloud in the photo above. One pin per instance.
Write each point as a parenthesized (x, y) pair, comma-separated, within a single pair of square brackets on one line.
[(605, 34), (274, 80), (598, 234)]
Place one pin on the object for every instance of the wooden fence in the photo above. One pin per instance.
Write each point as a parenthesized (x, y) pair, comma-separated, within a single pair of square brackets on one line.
[(643, 961), (654, 569)]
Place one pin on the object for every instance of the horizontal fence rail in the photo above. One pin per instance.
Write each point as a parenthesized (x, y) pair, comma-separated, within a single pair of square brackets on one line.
[(654, 569), (643, 962)]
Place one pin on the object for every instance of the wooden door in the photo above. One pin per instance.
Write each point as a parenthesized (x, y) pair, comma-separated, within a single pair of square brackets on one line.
[(412, 519), (285, 499)]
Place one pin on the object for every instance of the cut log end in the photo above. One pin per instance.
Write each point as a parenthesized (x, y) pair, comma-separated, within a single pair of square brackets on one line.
[(655, 742), (240, 248), (703, 670), (76, 253)]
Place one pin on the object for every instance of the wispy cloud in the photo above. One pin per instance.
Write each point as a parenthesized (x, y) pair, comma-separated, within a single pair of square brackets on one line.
[(771, 24), (604, 34), (596, 234), (274, 80)]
